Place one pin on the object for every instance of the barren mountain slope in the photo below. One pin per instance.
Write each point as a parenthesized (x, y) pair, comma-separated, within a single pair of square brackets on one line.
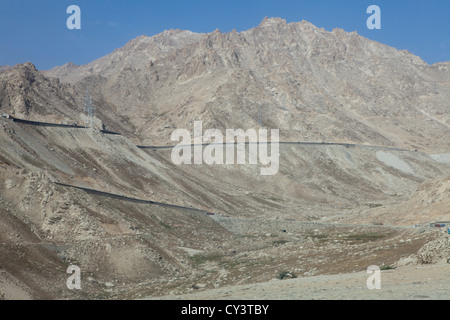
[(309, 83), (141, 248), (46, 226), (25, 93), (139, 225), (429, 203)]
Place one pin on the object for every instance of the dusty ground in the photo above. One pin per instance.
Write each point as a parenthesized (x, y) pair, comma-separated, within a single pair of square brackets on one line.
[(407, 278), (410, 283)]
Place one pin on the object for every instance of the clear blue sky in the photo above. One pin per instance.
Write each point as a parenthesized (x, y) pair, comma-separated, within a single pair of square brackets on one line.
[(35, 30)]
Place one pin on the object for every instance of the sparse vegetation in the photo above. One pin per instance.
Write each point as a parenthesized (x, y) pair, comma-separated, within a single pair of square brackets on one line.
[(365, 237), (165, 225), (387, 267), (312, 218), (199, 259), (318, 236), (286, 275), (374, 205), (276, 199), (279, 242)]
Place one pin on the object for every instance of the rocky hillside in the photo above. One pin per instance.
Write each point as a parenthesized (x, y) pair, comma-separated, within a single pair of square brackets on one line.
[(310, 83), (138, 225), (26, 93)]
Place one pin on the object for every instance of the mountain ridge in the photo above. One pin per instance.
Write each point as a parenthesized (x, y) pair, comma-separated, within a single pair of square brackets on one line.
[(312, 84)]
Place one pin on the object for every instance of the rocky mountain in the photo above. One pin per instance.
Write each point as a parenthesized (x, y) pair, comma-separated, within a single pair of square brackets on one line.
[(26, 93), (139, 225), (3, 68), (311, 84)]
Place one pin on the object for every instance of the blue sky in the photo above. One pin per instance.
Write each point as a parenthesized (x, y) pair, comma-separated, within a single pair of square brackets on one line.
[(36, 31)]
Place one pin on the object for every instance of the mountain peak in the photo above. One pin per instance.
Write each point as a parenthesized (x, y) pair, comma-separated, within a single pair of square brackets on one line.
[(306, 25), (267, 22), (25, 70), (25, 66)]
